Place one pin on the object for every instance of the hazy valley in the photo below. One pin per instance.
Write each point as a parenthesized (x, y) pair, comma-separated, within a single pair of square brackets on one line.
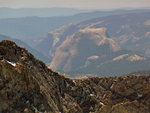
[(128, 33), (68, 60)]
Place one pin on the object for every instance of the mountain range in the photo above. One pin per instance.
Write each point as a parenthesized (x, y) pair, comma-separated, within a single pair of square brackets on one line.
[(39, 12), (90, 44), (130, 31), (28, 86), (90, 51), (94, 62), (32, 28), (71, 48)]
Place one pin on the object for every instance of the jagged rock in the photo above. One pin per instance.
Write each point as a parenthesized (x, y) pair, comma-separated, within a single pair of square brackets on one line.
[(30, 87)]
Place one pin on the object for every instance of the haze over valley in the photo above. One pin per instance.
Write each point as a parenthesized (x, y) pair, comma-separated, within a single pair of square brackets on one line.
[(74, 56), (122, 34)]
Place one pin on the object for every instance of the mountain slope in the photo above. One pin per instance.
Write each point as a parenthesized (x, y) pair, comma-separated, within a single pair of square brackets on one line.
[(51, 12), (31, 29), (30, 49), (40, 12), (78, 47), (54, 39), (27, 85), (130, 31), (90, 51)]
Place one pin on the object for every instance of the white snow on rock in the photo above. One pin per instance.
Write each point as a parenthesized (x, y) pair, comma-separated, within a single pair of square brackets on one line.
[(12, 63), (91, 94), (139, 95), (101, 103)]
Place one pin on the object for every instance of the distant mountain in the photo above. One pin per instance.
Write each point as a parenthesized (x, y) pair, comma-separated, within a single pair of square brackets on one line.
[(53, 12), (54, 39), (39, 12), (130, 31), (142, 72), (32, 29), (90, 51), (85, 43), (24, 45), (28, 86)]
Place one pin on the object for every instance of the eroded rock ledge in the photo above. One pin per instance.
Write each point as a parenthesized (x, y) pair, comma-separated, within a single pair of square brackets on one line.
[(28, 86)]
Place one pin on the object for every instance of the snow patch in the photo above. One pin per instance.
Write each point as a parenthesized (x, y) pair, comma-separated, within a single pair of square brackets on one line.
[(101, 103), (139, 95), (12, 63), (91, 94)]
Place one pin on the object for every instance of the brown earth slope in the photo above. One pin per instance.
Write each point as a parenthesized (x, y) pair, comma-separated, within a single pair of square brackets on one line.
[(83, 44), (130, 31), (91, 51), (28, 86)]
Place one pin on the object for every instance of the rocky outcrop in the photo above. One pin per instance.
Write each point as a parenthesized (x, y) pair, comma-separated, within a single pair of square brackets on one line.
[(28, 86), (37, 54)]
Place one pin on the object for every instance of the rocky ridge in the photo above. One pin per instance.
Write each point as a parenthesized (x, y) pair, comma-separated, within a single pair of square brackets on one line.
[(28, 86)]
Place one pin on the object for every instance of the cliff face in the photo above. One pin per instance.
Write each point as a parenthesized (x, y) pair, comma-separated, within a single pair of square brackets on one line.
[(90, 51), (54, 39), (130, 31), (72, 53), (27, 85)]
